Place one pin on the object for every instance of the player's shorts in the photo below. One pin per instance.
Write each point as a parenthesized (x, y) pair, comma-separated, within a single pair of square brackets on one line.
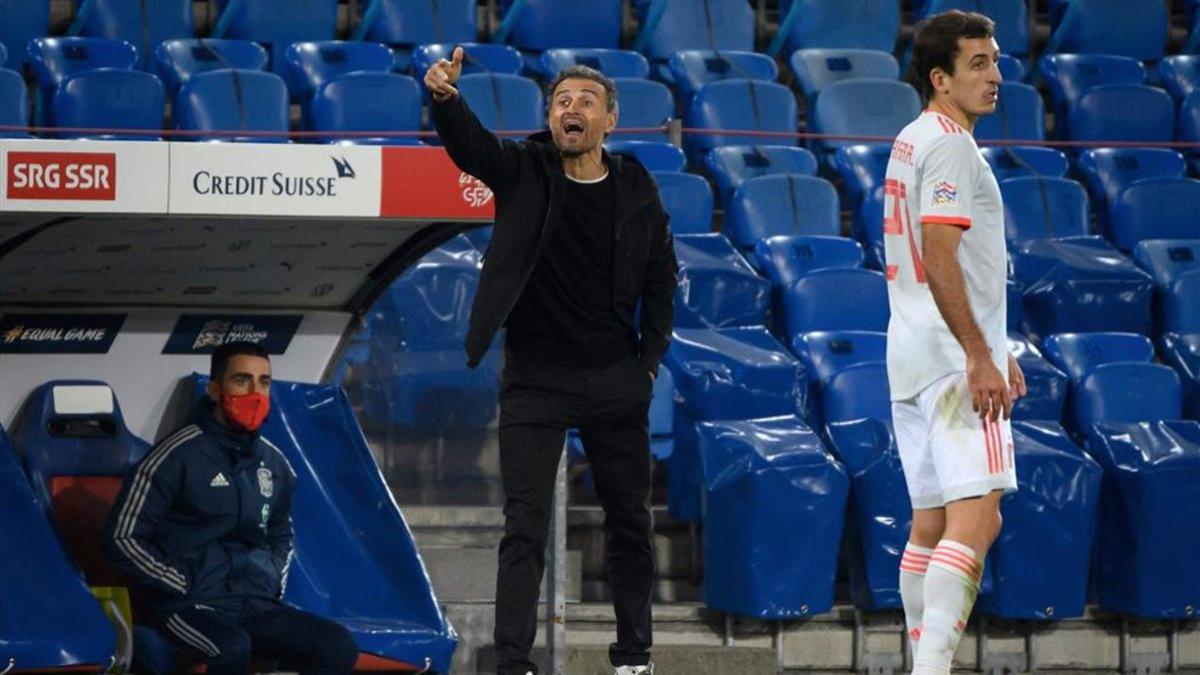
[(948, 453)]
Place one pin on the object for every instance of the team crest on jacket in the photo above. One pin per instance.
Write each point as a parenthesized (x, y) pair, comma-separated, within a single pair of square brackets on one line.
[(265, 485)]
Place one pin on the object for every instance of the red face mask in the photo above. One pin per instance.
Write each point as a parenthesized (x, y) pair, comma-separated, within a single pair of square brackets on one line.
[(245, 411)]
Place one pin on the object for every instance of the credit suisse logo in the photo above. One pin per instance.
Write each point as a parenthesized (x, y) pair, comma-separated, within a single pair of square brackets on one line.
[(84, 176)]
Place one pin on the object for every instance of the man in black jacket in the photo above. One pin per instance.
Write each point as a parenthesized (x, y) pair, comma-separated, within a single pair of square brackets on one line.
[(203, 522), (581, 243)]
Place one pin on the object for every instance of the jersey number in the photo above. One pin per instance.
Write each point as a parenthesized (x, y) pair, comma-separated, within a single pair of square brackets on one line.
[(894, 220)]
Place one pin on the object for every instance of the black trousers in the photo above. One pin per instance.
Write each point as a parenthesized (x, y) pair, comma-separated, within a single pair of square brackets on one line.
[(225, 636), (609, 406)]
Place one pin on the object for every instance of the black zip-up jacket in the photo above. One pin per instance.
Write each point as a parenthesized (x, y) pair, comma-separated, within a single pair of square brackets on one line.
[(529, 185), (205, 515)]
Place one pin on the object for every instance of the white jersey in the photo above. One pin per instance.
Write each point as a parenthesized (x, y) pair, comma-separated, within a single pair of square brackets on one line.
[(936, 174)]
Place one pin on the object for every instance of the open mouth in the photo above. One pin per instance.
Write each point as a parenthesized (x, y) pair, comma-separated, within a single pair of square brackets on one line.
[(573, 128)]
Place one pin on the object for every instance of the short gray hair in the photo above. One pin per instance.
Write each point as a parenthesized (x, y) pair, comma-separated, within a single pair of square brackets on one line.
[(586, 73)]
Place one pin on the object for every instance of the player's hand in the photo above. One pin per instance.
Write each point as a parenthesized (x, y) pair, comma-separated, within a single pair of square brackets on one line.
[(441, 76), (989, 392), (1016, 379)]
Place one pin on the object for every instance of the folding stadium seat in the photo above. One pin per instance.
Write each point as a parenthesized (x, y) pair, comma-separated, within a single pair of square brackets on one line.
[(1181, 304), (23, 21), (14, 104), (1189, 128), (276, 24), (782, 204), (1180, 74), (677, 25), (1037, 207), (866, 107), (1122, 112), (826, 354), (653, 155), (110, 98), (717, 287), (1155, 208), (233, 100), (1182, 352), (1069, 76), (643, 104), (534, 26), (867, 227), (504, 102), (1011, 161), (853, 24), (745, 105), (1077, 354), (1111, 170), (1167, 259), (611, 62), (815, 69), (1046, 385), (1019, 115), (180, 59), (818, 301), (477, 58), (55, 59), (140, 23), (857, 392), (862, 168), (1126, 392), (691, 69), (312, 64), (688, 201), (1011, 68), (365, 101), (732, 165), (1011, 17), (404, 24), (1133, 28), (786, 258)]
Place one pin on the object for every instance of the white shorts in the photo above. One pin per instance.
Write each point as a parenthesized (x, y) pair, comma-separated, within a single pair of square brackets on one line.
[(948, 453)]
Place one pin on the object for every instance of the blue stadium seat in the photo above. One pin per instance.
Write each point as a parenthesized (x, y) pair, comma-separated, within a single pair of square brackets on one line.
[(3, 55), (1046, 386), (688, 201), (745, 105), (853, 24), (1079, 353), (1181, 351), (1111, 170), (868, 227), (1069, 76), (534, 26), (1011, 68), (110, 98), (1014, 291), (504, 102), (662, 414), (691, 69), (1011, 17), (140, 23), (1189, 128), (23, 21), (717, 287), (277, 23), (312, 64), (654, 155), (477, 58), (611, 62), (867, 107), (643, 104), (1019, 115), (1180, 74), (781, 204), (404, 24), (816, 69), (1167, 259), (857, 392), (675, 25), (732, 165), (1037, 207), (1155, 208), (827, 353), (210, 102), (1122, 112), (786, 258), (55, 59), (862, 168), (1181, 304), (365, 101), (817, 301), (1133, 28), (1020, 160), (14, 104), (1126, 392), (180, 59)]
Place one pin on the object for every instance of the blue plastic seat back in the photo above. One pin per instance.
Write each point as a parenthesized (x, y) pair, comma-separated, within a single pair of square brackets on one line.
[(700, 24), (643, 104), (853, 24), (717, 287), (278, 23), (746, 105), (1110, 170), (210, 102), (428, 306), (688, 201), (868, 107), (1078, 353), (1011, 68), (1155, 208), (1181, 351), (1013, 290), (732, 165), (545, 24), (782, 204), (23, 21), (1167, 259), (55, 59), (415, 22), (1069, 76), (862, 167), (654, 155), (1123, 112), (477, 58), (144, 24), (110, 99), (1038, 207), (1181, 304), (1046, 385), (611, 62), (662, 404), (1189, 128), (1134, 28), (504, 102), (178, 60), (693, 68), (786, 258), (1019, 115), (1011, 17), (3, 55), (817, 301), (858, 392), (1180, 74), (815, 69), (827, 353), (312, 64), (1127, 392), (14, 103), (366, 101), (1013, 161)]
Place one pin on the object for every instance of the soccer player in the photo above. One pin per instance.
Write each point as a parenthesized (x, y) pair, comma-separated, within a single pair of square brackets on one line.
[(947, 354)]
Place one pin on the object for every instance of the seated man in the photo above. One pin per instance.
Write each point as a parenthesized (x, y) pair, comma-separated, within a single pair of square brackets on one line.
[(203, 522)]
